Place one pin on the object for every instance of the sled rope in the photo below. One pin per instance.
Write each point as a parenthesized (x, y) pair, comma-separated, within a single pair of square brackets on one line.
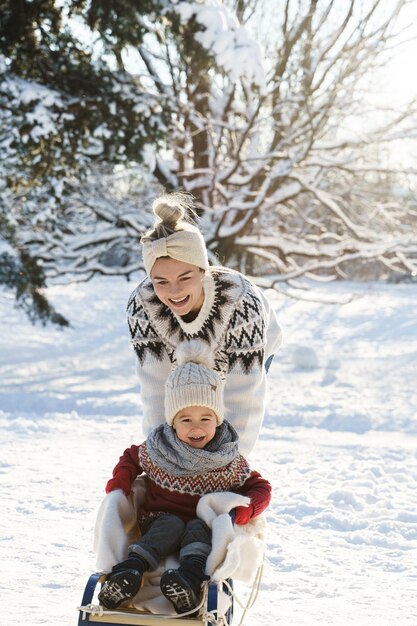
[(211, 617), (94, 609), (252, 596)]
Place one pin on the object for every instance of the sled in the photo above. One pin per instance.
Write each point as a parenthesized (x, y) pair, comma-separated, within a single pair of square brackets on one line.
[(210, 614), (217, 601)]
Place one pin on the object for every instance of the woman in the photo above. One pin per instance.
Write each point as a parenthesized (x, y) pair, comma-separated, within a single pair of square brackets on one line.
[(184, 298)]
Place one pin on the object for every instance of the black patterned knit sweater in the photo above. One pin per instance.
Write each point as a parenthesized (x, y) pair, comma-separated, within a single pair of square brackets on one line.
[(236, 321)]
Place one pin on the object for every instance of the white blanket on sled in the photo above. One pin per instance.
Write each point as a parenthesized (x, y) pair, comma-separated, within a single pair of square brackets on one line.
[(237, 551)]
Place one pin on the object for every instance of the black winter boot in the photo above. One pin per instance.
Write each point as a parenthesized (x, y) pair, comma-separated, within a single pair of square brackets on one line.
[(123, 582), (182, 586)]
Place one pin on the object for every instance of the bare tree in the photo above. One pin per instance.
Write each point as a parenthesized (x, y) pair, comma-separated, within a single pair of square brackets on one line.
[(263, 115), (283, 183)]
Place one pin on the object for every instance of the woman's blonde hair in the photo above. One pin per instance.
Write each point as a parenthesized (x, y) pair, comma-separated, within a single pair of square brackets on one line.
[(173, 211)]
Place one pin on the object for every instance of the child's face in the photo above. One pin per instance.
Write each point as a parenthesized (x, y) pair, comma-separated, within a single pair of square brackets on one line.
[(195, 425)]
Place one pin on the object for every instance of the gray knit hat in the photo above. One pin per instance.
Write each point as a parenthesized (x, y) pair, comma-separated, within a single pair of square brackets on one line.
[(193, 382)]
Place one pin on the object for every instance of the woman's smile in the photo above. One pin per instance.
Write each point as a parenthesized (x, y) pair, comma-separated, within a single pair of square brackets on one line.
[(179, 302)]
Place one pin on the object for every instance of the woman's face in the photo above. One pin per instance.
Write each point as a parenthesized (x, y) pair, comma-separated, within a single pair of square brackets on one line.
[(178, 285)]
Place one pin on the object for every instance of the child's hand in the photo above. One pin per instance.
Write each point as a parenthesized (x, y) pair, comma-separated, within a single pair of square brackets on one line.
[(243, 514), (115, 483)]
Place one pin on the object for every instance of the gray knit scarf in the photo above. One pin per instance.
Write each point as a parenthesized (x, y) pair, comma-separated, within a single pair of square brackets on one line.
[(179, 459)]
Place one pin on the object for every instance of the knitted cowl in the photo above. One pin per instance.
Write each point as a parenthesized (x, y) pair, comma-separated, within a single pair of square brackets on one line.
[(180, 459)]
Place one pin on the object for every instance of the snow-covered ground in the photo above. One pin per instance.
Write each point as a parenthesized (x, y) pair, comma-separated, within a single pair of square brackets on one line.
[(339, 446)]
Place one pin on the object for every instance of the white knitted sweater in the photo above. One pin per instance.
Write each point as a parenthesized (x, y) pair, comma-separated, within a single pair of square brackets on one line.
[(236, 321)]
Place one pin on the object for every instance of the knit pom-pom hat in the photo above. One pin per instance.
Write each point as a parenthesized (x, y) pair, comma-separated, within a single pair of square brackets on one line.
[(193, 382)]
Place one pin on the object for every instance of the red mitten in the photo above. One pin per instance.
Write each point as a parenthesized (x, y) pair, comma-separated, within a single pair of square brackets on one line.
[(116, 483), (243, 514)]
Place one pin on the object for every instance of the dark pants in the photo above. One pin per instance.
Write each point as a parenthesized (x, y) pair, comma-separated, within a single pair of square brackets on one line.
[(167, 534), (268, 362)]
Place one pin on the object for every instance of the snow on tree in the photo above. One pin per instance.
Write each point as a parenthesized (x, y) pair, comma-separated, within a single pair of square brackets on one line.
[(285, 186), (62, 110), (262, 114)]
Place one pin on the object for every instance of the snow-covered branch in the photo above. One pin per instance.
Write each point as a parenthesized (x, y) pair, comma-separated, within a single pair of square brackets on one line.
[(267, 117)]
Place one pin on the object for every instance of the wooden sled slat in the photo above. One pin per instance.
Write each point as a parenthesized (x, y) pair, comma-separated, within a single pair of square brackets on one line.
[(141, 619)]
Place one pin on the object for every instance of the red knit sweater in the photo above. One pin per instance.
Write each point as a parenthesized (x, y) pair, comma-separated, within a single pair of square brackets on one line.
[(180, 495)]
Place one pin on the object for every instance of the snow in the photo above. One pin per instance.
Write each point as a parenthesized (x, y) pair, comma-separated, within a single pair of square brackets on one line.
[(233, 49), (42, 118), (338, 444)]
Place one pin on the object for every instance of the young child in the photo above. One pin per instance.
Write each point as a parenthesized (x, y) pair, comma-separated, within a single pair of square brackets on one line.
[(195, 452)]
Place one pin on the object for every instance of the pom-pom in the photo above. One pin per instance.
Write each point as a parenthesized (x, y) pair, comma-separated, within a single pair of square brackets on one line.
[(194, 351)]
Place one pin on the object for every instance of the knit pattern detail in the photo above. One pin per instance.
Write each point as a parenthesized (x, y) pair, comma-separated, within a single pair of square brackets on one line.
[(234, 326), (229, 477), (146, 341), (245, 341)]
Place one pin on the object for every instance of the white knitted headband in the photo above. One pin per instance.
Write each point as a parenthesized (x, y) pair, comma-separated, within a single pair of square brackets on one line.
[(183, 245)]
